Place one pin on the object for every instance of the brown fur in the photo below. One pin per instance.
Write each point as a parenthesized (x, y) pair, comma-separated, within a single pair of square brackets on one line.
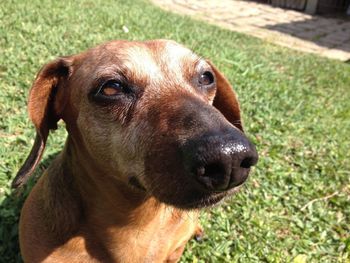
[(83, 208)]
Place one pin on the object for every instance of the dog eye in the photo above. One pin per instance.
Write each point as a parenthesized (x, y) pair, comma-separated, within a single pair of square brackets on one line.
[(206, 78), (111, 91), (111, 88)]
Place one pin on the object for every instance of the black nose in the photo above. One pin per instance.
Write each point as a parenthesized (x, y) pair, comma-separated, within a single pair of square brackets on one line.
[(219, 162)]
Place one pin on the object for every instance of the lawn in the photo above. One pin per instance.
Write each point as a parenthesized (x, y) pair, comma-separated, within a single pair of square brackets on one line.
[(296, 108)]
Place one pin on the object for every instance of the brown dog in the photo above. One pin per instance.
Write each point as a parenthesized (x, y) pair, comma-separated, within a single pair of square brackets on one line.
[(154, 134)]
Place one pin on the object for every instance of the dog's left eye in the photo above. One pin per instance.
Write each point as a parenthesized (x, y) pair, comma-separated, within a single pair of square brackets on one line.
[(206, 78)]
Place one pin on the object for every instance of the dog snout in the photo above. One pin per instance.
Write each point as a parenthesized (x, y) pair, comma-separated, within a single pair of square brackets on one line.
[(219, 162)]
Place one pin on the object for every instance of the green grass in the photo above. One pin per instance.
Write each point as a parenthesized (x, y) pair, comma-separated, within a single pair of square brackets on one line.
[(296, 108)]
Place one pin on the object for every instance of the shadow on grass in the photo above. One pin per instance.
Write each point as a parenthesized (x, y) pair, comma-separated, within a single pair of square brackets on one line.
[(10, 209), (325, 32)]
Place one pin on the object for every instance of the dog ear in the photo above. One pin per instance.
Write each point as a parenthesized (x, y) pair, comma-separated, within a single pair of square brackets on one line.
[(225, 99), (46, 103)]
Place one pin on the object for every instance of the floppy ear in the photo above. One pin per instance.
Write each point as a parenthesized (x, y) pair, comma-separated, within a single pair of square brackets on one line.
[(225, 99), (46, 103)]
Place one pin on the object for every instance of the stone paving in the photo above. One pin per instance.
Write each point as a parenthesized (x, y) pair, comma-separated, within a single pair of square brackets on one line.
[(329, 37)]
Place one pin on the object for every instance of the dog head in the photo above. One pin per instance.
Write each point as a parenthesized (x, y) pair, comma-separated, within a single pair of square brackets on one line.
[(153, 115)]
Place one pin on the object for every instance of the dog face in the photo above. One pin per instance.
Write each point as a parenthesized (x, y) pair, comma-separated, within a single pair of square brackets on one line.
[(152, 115)]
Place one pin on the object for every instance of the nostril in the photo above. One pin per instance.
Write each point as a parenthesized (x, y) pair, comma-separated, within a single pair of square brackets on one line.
[(212, 175), (248, 162), (214, 169), (210, 170), (200, 171)]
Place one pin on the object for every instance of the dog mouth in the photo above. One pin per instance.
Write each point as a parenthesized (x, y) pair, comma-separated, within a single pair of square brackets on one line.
[(187, 197), (211, 200), (196, 201)]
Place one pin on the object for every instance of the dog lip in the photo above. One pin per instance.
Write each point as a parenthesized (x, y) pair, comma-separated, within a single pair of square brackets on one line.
[(211, 200), (208, 201)]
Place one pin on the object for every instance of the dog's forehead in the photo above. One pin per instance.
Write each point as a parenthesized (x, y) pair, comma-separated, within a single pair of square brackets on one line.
[(172, 53), (151, 60)]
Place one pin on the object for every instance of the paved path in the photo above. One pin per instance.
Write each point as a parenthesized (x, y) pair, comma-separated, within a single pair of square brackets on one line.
[(327, 37)]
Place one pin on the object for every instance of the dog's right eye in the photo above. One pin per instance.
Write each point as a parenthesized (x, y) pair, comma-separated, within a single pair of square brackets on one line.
[(111, 88)]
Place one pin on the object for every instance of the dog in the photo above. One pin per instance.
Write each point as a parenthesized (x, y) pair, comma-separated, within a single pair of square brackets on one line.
[(154, 135)]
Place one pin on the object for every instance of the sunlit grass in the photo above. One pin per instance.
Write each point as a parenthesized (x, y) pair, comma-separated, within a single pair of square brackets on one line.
[(296, 108)]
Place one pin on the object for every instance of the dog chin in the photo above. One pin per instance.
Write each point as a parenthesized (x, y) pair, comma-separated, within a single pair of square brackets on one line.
[(198, 202), (203, 201), (210, 201)]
